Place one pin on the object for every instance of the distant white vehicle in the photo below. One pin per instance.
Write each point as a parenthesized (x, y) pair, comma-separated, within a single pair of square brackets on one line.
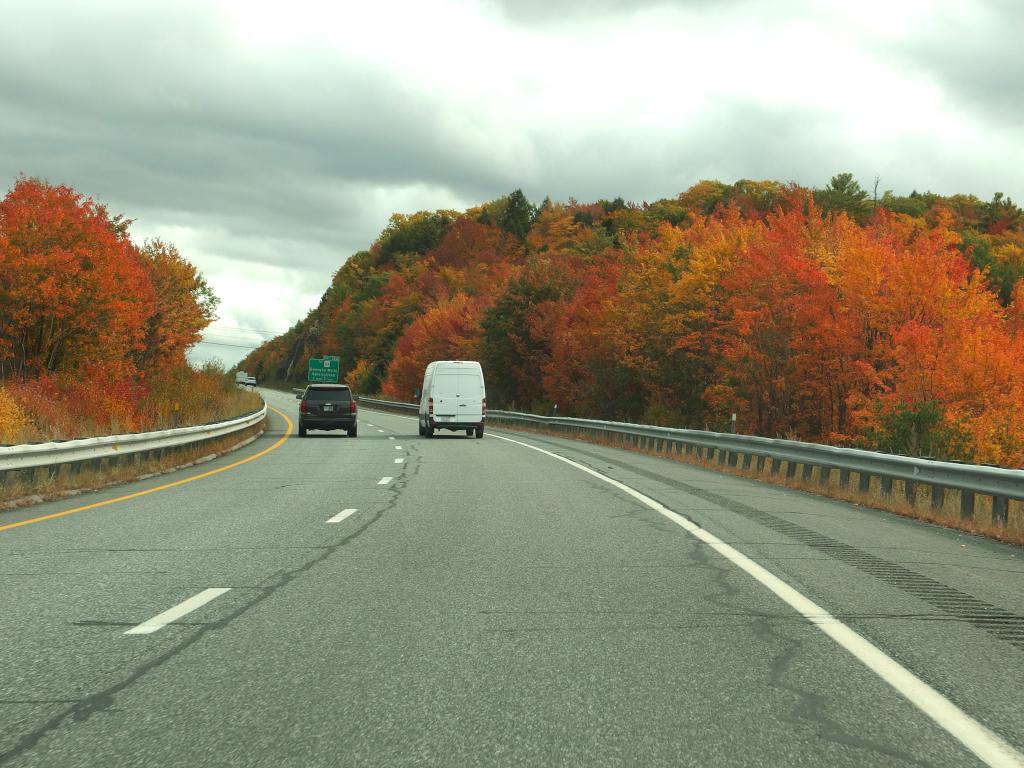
[(453, 398), (241, 377), (250, 381)]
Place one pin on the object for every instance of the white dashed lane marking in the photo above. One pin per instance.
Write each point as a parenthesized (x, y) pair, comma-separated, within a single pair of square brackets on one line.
[(342, 515), (161, 620)]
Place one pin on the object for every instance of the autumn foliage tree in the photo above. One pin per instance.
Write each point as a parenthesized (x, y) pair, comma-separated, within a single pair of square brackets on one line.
[(87, 318), (893, 322), (183, 305), (72, 286)]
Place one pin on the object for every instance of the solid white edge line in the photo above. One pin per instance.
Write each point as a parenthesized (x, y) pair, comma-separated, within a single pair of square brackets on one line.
[(161, 620), (385, 480), (342, 515), (988, 746)]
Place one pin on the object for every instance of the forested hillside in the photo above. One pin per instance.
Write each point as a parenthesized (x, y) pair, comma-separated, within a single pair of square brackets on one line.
[(93, 327), (893, 322)]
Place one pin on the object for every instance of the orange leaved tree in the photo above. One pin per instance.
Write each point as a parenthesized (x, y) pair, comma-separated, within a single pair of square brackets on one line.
[(72, 288)]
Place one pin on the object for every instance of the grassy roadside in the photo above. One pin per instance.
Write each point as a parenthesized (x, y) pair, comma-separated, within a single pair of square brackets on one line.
[(68, 407), (47, 485)]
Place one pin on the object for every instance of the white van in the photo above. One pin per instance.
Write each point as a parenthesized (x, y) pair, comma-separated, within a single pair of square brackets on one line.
[(453, 397)]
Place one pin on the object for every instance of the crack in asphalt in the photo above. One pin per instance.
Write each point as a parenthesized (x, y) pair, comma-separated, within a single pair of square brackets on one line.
[(811, 708), (102, 701)]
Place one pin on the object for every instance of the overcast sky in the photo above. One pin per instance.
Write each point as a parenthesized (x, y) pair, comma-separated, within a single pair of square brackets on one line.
[(271, 140)]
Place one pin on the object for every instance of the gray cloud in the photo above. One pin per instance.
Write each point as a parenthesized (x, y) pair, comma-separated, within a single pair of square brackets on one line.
[(293, 158), (575, 11), (975, 55)]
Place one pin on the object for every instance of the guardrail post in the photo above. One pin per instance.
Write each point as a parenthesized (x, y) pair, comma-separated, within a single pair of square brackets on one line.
[(824, 475), (760, 463), (747, 458), (886, 486), (910, 491), (844, 478), (808, 471), (938, 496), (863, 482), (966, 504), (790, 469), (1000, 510)]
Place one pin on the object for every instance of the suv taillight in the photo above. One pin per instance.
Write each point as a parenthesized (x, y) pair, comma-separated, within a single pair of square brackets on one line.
[(302, 407), (353, 408), (430, 406)]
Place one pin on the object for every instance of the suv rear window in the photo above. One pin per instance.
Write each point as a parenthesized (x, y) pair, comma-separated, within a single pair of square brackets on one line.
[(332, 395)]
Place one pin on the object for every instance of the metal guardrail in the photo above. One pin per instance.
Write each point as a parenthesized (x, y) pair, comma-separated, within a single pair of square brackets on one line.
[(17, 458), (791, 456)]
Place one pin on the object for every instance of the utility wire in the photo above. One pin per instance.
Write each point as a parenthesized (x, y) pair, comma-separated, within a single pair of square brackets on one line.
[(247, 330), (225, 344)]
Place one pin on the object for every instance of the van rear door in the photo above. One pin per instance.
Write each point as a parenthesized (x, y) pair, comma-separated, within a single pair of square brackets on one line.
[(446, 395), (471, 397), (458, 396)]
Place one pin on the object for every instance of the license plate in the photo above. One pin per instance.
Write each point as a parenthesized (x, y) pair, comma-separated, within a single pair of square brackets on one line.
[(328, 407)]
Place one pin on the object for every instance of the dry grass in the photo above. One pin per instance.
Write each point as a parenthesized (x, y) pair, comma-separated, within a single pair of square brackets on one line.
[(43, 486), (14, 426), (947, 516), (67, 407)]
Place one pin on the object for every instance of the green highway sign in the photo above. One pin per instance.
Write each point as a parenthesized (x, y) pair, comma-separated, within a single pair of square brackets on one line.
[(323, 371)]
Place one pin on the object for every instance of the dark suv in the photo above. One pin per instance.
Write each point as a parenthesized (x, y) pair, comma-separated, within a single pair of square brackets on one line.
[(327, 406)]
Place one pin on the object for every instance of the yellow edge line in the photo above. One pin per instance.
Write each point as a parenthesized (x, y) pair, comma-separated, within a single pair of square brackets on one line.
[(176, 483)]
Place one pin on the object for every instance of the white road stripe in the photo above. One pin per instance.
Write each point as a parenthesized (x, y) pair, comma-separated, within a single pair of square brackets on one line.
[(342, 515), (399, 461), (385, 480), (161, 620), (391, 438), (988, 746), (398, 447), (381, 431)]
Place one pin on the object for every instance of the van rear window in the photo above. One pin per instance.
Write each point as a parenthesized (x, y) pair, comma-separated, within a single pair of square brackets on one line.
[(333, 395), (458, 383)]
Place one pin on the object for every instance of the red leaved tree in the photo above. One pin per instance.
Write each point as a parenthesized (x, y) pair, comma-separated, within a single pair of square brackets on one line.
[(72, 287)]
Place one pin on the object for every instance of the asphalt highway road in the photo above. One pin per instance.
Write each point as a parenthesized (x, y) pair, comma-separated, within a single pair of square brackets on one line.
[(394, 600)]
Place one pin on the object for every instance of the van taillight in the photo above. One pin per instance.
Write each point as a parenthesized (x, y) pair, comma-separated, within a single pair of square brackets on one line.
[(353, 409), (430, 406), (302, 407), (483, 405)]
